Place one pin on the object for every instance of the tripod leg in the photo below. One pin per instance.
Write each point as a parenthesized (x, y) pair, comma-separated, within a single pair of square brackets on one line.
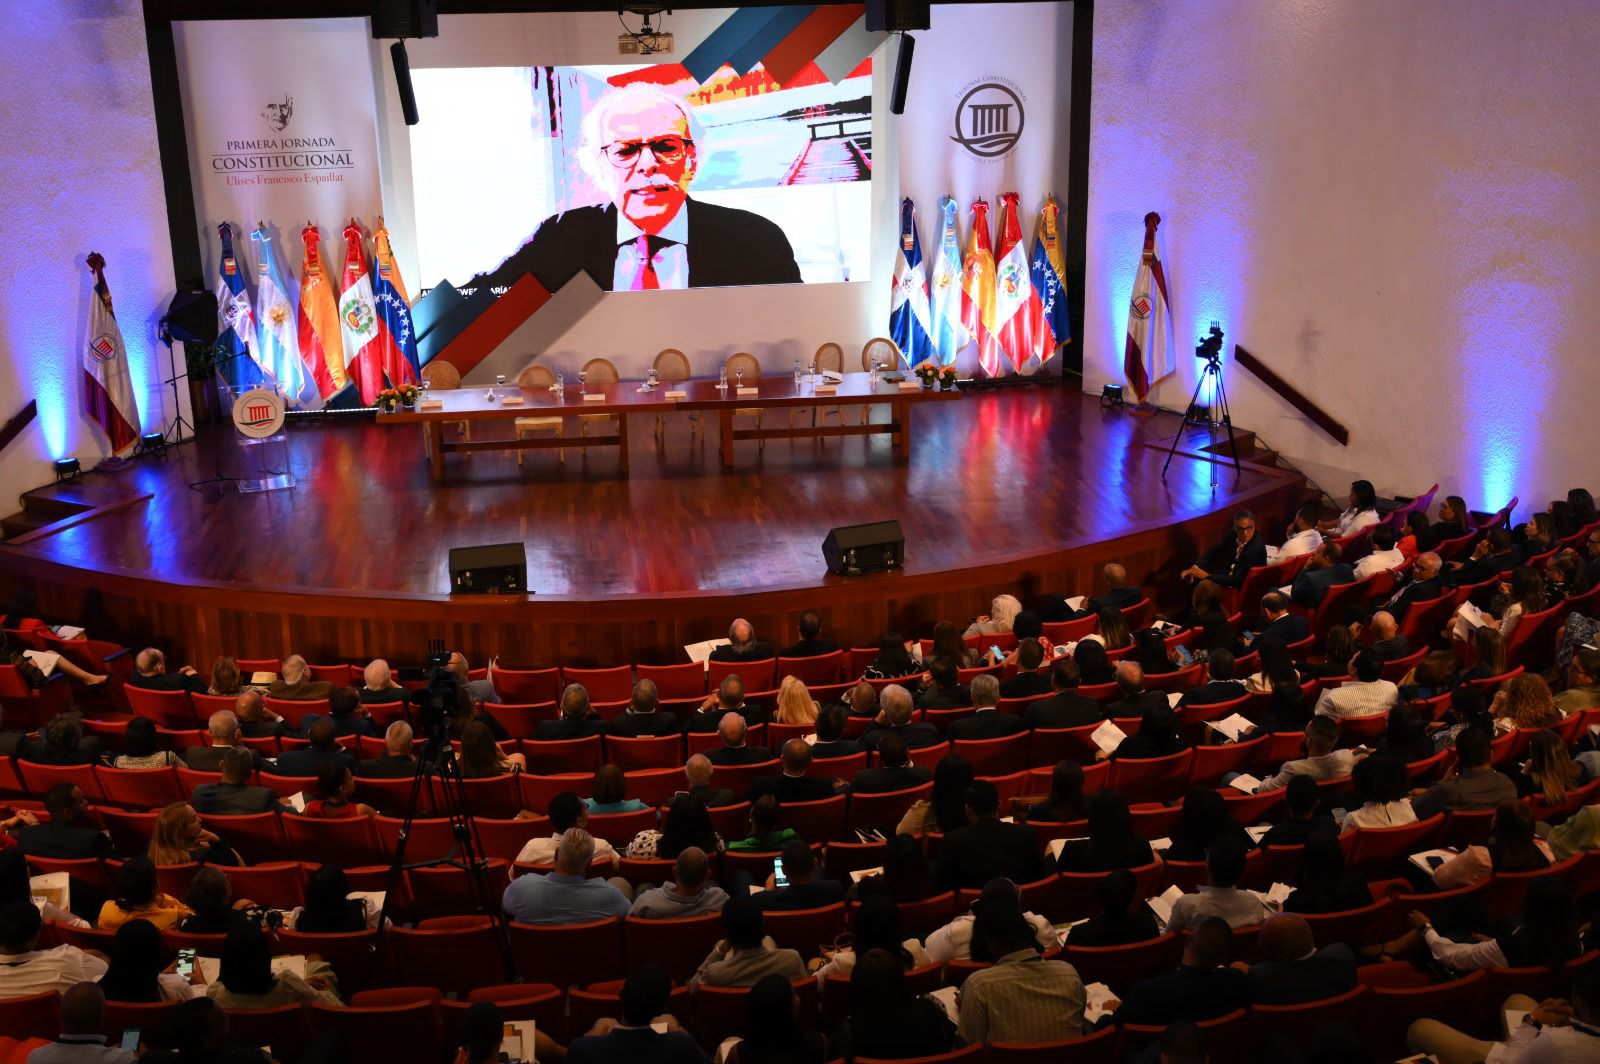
[(1173, 449)]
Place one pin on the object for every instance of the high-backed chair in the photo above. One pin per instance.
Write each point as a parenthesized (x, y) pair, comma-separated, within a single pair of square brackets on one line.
[(672, 367), (750, 367), (599, 373), (538, 378), (444, 376), (886, 353), (830, 356)]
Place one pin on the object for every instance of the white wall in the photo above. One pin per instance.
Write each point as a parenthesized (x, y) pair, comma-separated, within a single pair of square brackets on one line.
[(1395, 205), (79, 165)]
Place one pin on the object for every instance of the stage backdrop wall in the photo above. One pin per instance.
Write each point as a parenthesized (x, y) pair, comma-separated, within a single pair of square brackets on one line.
[(1392, 205), (81, 174)]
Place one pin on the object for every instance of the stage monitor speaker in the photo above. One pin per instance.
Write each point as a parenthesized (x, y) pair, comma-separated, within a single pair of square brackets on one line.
[(404, 18), (492, 569), (897, 16), (878, 547), (191, 317)]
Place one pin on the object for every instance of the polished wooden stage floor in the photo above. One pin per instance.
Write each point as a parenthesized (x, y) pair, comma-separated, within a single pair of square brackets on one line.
[(1033, 486)]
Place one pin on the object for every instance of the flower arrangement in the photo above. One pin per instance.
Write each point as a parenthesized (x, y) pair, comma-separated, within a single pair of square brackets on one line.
[(410, 392), (927, 373), (947, 379), (388, 399)]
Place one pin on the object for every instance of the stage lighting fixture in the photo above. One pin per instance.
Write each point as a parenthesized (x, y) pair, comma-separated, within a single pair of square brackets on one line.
[(67, 469), (151, 443), (402, 82), (902, 74), (1111, 397)]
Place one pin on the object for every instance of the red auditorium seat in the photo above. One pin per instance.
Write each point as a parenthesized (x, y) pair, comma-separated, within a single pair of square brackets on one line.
[(604, 1000), (286, 1030), (813, 671), (130, 831), (448, 891), (203, 945), (994, 757), (1193, 718), (756, 675), (550, 756), (676, 681), (294, 711), (344, 841), (535, 791), (1503, 895), (1120, 967), (719, 1011), (39, 778), (571, 955), (1150, 779), (505, 837), (836, 992), (350, 953), (1538, 983), (494, 796), (835, 768), (1179, 680), (818, 821), (955, 1056), (393, 795), (288, 786), (655, 786), (528, 686), (521, 719), (153, 1020), (620, 828), (205, 705), (1050, 745), (1381, 851), (614, 684), (885, 809), (805, 929), (1370, 923), (678, 945), (1097, 1048), (459, 953), (430, 837), (1299, 1020), (738, 778), (141, 788), (171, 709), (542, 1003), (31, 1016), (279, 884), (1390, 1010), (381, 1034), (90, 870), (1211, 762), (655, 751)]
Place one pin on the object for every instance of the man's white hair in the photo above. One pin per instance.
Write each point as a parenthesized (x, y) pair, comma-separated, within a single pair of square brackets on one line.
[(294, 669), (376, 674), (627, 99)]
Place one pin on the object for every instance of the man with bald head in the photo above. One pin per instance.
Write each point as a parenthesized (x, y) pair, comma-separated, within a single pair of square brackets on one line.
[(256, 721), (734, 749), (1277, 621), (1118, 595), (1133, 699), (1387, 642), (1292, 969), (223, 727), (690, 894), (643, 716), (895, 708), (729, 698), (567, 895), (742, 644), (578, 719), (697, 771), (150, 672), (1427, 582), (397, 761), (793, 784)]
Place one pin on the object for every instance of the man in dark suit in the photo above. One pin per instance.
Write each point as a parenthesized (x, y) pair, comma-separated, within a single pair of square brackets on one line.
[(1202, 987), (894, 718), (742, 644), (1289, 627), (1118, 595), (643, 716), (894, 772), (988, 847), (830, 735), (1229, 561), (1029, 680), (1321, 572), (728, 699), (987, 722), (62, 743), (296, 684), (697, 771), (378, 686), (793, 784), (944, 689), (397, 761), (1065, 708), (1387, 642), (235, 796), (223, 727), (323, 751), (578, 719), (67, 835), (1292, 969), (150, 672), (733, 750), (1222, 686), (1133, 700), (1495, 554), (1426, 583), (810, 645), (806, 889)]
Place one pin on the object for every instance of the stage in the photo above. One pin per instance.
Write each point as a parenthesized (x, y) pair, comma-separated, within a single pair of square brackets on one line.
[(1020, 489)]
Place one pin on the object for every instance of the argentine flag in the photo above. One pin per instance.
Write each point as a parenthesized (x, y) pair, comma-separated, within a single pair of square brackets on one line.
[(949, 335), (236, 324), (278, 342), (909, 314)]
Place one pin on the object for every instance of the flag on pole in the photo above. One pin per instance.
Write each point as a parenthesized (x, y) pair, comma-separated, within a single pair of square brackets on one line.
[(358, 318), (396, 341), (1050, 279), (321, 344), (107, 384), (949, 335), (977, 290), (277, 342), (236, 322), (1147, 358), (1019, 316), (909, 324)]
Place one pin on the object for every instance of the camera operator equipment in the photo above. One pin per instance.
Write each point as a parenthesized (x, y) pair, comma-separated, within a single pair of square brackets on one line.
[(1209, 348)]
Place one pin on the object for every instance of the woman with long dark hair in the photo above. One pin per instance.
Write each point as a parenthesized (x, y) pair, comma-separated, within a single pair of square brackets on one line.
[(139, 747), (687, 823), (1150, 650), (1362, 511), (876, 926), (1204, 820), (888, 1021), (1112, 842), (1455, 518), (893, 660), (139, 897), (1094, 665), (1065, 802), (135, 972), (947, 809), (245, 979)]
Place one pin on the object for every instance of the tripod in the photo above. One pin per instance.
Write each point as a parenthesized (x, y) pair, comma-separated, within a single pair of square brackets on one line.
[(179, 422), (1212, 371)]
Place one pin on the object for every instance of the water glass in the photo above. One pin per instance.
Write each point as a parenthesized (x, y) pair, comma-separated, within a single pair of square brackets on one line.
[(499, 381), (722, 378), (738, 377), (583, 382), (797, 375), (561, 383)]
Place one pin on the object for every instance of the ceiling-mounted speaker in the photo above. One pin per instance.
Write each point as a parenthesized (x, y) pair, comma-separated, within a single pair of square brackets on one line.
[(902, 74), (405, 18), (897, 16)]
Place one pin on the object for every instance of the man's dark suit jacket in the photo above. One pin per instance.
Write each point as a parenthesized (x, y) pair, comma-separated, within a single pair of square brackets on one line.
[(916, 734), (791, 788), (1118, 598), (40, 753), (1391, 649), (932, 697), (1025, 684), (209, 758), (713, 797), (1229, 571), (567, 728), (984, 849), (1186, 995), (1212, 693), (309, 761), (637, 1045), (65, 842), (1311, 586), (726, 247), (836, 748), (387, 697), (1137, 705), (1329, 971), (1412, 593), (387, 767), (808, 648), (1122, 929), (708, 720), (757, 651), (738, 755), (169, 681), (987, 724), (1064, 709), (1291, 628), (643, 725), (1490, 565), (813, 895), (883, 779), (232, 799)]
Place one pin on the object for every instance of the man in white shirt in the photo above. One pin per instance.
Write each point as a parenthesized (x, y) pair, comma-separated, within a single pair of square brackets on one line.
[(1321, 762), (83, 1040), (1384, 556), (1222, 897), (1304, 536), (1553, 1031), (25, 969), (566, 811), (1366, 696)]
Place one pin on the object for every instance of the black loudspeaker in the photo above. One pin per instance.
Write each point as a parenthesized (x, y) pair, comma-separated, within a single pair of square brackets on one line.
[(404, 18), (191, 317), (492, 569), (402, 82), (897, 16), (902, 74), (851, 550)]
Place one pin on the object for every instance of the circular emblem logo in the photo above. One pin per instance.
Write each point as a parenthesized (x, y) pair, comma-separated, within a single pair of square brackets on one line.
[(989, 119), (1141, 307), (258, 413), (103, 348)]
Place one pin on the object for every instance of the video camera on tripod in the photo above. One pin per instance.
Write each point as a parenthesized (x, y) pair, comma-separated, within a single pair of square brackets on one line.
[(1210, 345)]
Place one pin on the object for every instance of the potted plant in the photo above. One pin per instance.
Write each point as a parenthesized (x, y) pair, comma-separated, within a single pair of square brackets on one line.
[(927, 373), (388, 400), (409, 394), (947, 379)]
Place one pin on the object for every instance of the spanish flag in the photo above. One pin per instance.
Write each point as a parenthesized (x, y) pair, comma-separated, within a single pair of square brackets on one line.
[(321, 344), (977, 290)]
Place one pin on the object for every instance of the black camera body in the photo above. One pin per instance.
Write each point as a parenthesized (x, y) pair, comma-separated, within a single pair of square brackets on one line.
[(1210, 345)]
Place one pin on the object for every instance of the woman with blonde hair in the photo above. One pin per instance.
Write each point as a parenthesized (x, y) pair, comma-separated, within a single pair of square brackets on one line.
[(1550, 773), (1002, 612), (1525, 702), (179, 838), (795, 704)]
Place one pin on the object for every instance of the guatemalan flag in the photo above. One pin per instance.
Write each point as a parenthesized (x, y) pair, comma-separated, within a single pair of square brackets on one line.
[(397, 343), (277, 342), (949, 334), (236, 322), (1148, 355), (1018, 314), (1050, 279), (358, 318), (909, 322), (107, 384)]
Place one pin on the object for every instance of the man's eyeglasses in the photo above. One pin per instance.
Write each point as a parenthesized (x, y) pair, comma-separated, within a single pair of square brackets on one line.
[(665, 149)]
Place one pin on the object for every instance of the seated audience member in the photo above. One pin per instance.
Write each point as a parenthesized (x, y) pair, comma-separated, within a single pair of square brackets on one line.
[(733, 731), (746, 955), (1583, 682), (139, 748), (465, 711), (1280, 623), (1303, 802), (1325, 885), (830, 735), (1434, 675), (691, 893), (349, 714), (1202, 987), (948, 643), (323, 751), (988, 848), (68, 834), (1381, 786), (329, 909), (1021, 997), (246, 979), (1337, 648), (481, 756), (1205, 605), (1323, 571), (894, 718), (1524, 702), (987, 722), (223, 728), (336, 788), (1288, 709), (1133, 698), (210, 901), (397, 760), (1322, 761), (807, 889), (742, 644), (82, 1038), (1384, 557), (1406, 737), (686, 824), (1220, 686), (1221, 895), (1113, 630), (1526, 595), (1112, 842), (1361, 513), (811, 644), (566, 811), (697, 771), (1292, 969), (295, 683), (566, 895), (1094, 664), (1538, 537), (1065, 802), (1276, 666), (1002, 612), (773, 1033), (1203, 821), (1545, 935), (1157, 736), (888, 1021), (256, 721), (139, 897), (483, 1031), (1120, 922), (767, 835), (1489, 654), (907, 875), (15, 886), (610, 789), (1151, 653), (861, 700), (1229, 561), (1475, 784), (1425, 585), (135, 974), (894, 771), (942, 687), (578, 719), (1416, 535), (1493, 556), (234, 795), (477, 691), (1386, 641), (643, 717), (875, 924), (150, 672), (1468, 709), (1455, 518), (793, 783), (26, 969), (893, 660), (378, 685), (1065, 707), (62, 743), (1366, 695), (633, 1038), (1119, 593), (795, 704), (1550, 773), (728, 699), (179, 838), (225, 677), (962, 939), (1304, 536), (1510, 847), (946, 809), (1029, 681)]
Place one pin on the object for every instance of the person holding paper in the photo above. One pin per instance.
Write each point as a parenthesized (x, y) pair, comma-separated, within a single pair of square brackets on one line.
[(1553, 1031), (1157, 736), (1322, 760), (742, 644), (1203, 986), (1112, 842), (1367, 695), (1292, 969), (1119, 922), (246, 979), (633, 1039), (1021, 997), (1221, 897)]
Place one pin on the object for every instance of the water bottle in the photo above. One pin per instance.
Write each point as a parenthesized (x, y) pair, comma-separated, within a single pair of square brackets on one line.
[(722, 378), (561, 383), (797, 374)]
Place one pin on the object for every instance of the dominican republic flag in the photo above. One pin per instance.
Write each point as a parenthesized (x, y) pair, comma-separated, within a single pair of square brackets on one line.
[(1018, 314), (321, 343), (977, 290), (909, 322), (1148, 355), (107, 385), (397, 343), (949, 335), (1050, 279), (236, 322), (277, 342), (358, 318)]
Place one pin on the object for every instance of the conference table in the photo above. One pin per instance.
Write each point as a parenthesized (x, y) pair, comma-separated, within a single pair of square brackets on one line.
[(506, 402)]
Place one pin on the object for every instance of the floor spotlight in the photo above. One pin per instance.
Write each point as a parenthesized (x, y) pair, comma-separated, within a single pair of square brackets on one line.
[(151, 443), (67, 469), (1111, 397)]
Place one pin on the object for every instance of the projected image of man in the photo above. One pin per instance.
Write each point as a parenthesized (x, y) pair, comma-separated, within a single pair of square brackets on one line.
[(639, 145)]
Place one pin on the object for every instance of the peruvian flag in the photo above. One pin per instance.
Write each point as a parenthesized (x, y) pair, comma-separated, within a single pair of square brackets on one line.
[(977, 291), (908, 311), (1147, 358), (321, 344), (396, 340), (1018, 314), (107, 385), (358, 318)]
